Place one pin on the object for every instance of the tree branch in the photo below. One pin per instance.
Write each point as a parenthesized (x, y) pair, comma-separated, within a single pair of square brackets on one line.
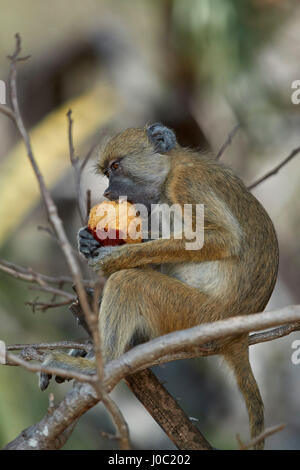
[(48, 201), (43, 306), (28, 275), (166, 411), (47, 433), (228, 141), (276, 169), (146, 355), (169, 346), (266, 433), (8, 112), (51, 346), (59, 231), (78, 167)]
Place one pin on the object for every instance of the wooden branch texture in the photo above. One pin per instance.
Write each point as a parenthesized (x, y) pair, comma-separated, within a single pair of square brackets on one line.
[(166, 411)]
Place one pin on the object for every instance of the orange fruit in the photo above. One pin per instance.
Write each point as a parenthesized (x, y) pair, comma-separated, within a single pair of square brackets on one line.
[(115, 223)]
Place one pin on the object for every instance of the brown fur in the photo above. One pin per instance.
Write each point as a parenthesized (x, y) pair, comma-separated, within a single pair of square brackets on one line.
[(238, 234)]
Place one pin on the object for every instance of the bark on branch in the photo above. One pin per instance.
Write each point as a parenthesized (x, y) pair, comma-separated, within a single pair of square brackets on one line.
[(165, 348)]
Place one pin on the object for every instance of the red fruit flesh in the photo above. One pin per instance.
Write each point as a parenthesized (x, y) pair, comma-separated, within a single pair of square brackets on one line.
[(108, 237)]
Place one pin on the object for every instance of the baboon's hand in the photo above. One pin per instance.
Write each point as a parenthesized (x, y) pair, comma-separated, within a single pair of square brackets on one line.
[(87, 245), (102, 254)]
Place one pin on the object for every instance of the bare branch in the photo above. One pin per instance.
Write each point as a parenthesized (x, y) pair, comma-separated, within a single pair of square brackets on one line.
[(48, 201), (59, 232), (266, 433), (49, 432), (43, 306), (28, 275), (81, 398), (166, 411), (169, 347), (73, 158), (8, 112), (228, 141), (212, 348), (122, 429), (16, 55), (275, 333), (77, 166), (148, 354), (276, 169), (52, 290), (49, 232), (120, 423), (88, 202), (51, 346), (87, 157)]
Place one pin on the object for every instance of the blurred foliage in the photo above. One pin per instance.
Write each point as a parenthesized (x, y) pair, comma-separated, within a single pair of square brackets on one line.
[(224, 36)]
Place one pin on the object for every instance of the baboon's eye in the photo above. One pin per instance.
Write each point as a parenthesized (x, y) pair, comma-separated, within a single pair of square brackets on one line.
[(114, 165)]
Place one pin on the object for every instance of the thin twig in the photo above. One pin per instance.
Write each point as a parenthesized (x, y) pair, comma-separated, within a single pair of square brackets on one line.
[(43, 306), (77, 166), (73, 158), (50, 207), (8, 112), (88, 203), (28, 275), (276, 169), (228, 141), (16, 55), (122, 429), (49, 232), (275, 333), (121, 426), (52, 290), (48, 201), (261, 437), (87, 157), (122, 434), (50, 346)]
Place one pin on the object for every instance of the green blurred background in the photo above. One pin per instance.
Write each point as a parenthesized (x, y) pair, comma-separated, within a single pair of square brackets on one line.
[(201, 67)]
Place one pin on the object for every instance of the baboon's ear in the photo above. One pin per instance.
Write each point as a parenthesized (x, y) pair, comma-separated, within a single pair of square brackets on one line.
[(162, 137)]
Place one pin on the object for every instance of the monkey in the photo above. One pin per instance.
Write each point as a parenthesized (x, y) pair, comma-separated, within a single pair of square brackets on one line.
[(158, 286)]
